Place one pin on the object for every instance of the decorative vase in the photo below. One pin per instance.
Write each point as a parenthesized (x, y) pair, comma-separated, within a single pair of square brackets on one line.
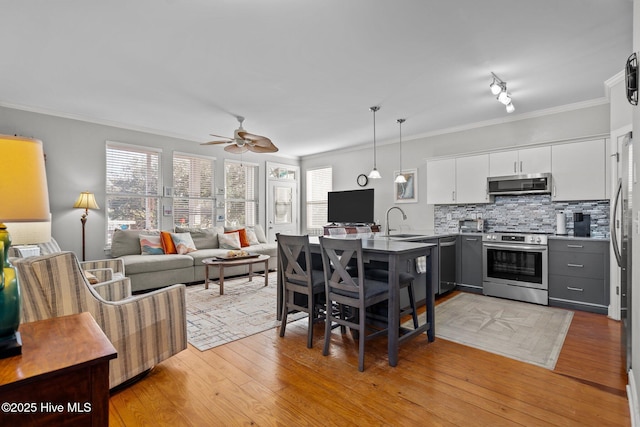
[(10, 343)]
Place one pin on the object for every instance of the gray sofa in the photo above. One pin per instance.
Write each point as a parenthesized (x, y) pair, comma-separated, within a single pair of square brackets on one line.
[(156, 271)]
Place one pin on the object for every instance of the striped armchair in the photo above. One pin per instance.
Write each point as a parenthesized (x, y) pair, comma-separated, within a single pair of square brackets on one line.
[(145, 329)]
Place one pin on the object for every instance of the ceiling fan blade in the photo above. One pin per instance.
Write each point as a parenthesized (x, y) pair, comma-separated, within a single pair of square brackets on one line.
[(263, 142), (258, 149), (233, 148), (256, 140), (215, 142), (251, 137), (220, 136)]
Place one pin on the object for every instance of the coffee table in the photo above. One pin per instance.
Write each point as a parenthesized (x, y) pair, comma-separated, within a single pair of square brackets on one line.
[(222, 263)]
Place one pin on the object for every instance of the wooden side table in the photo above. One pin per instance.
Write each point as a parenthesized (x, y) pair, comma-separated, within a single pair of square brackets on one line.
[(62, 376), (222, 263)]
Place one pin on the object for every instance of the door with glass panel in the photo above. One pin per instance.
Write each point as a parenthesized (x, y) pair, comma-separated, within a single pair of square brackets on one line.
[(282, 200)]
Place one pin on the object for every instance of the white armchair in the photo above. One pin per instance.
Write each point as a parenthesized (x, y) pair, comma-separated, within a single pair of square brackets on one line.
[(145, 329)]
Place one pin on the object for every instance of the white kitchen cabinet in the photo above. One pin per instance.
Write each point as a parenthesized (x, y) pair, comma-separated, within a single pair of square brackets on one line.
[(579, 171), (459, 180), (471, 179), (524, 161), (441, 182)]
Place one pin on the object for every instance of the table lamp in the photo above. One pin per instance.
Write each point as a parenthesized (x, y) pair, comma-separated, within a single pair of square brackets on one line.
[(25, 199), (85, 201)]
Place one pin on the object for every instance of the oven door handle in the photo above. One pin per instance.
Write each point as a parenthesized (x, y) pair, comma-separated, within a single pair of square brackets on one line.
[(516, 247)]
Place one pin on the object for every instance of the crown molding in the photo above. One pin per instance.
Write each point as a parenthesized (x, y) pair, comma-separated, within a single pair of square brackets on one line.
[(616, 79), (475, 125), (515, 118)]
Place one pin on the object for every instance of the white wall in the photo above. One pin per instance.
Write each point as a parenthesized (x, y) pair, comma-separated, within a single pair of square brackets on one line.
[(635, 272), (349, 163), (75, 152)]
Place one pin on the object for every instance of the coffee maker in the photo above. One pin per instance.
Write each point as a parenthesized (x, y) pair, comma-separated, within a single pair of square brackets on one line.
[(581, 225)]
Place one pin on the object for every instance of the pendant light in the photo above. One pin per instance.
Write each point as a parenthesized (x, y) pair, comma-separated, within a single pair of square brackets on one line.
[(374, 174), (400, 179)]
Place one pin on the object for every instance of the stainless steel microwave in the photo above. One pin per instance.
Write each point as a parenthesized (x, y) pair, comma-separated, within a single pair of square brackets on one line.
[(519, 184)]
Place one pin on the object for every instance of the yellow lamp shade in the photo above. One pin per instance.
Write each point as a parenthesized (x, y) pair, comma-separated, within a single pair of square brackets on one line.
[(86, 200), (24, 195)]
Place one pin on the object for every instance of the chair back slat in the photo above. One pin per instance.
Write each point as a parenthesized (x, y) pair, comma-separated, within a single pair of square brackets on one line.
[(291, 250), (337, 257)]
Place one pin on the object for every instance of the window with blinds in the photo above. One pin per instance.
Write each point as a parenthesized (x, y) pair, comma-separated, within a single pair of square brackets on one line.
[(193, 203), (133, 187), (241, 193), (319, 184)]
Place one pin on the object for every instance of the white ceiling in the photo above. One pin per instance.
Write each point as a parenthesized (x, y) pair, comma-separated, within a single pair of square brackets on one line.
[(303, 72)]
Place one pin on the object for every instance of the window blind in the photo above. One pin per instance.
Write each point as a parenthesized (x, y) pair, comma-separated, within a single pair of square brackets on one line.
[(132, 187), (193, 183), (241, 193), (319, 183)]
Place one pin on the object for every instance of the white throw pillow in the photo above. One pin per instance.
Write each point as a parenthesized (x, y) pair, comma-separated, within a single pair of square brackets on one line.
[(229, 240), (259, 233), (183, 242), (251, 237)]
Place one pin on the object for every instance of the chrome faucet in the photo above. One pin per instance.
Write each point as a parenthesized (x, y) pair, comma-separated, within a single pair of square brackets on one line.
[(387, 229)]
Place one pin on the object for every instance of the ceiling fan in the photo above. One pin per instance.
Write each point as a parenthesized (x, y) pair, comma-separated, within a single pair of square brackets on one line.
[(244, 141)]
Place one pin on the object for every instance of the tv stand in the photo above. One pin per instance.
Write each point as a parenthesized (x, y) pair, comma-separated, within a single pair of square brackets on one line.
[(351, 228)]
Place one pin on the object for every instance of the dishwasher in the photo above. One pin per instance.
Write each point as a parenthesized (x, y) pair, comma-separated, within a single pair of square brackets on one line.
[(447, 256)]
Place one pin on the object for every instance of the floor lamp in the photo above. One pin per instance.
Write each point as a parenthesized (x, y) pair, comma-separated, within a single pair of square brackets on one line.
[(25, 199), (85, 201)]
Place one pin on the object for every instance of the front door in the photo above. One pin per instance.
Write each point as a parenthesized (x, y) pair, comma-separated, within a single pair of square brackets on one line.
[(282, 200)]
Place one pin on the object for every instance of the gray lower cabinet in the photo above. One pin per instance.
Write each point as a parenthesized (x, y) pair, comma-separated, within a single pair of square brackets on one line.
[(470, 263), (579, 274)]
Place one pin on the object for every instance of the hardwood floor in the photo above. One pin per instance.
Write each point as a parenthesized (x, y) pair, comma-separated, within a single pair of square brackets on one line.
[(267, 380)]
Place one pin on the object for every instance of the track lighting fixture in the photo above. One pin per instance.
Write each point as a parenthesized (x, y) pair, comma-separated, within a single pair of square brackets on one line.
[(499, 88), (496, 86), (374, 174)]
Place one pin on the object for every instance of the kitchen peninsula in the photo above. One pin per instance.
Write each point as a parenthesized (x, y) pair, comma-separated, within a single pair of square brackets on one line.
[(403, 253)]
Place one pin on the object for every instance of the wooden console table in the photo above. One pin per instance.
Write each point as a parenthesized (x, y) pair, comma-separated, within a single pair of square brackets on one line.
[(62, 376)]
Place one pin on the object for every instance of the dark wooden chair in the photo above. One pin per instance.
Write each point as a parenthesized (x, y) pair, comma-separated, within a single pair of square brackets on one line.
[(302, 285), (348, 287)]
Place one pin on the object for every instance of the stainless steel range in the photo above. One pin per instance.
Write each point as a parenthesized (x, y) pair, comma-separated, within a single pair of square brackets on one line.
[(516, 266)]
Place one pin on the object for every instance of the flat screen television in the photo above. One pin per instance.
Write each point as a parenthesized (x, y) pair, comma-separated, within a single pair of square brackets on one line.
[(354, 206)]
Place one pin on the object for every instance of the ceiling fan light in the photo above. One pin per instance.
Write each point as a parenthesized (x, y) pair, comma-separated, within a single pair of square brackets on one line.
[(374, 174), (400, 179), (504, 97), (510, 107)]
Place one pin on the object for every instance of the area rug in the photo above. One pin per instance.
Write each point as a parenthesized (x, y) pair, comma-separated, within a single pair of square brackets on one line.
[(527, 332), (246, 308)]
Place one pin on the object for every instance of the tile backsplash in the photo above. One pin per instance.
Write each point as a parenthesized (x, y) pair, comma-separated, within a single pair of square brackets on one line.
[(527, 213)]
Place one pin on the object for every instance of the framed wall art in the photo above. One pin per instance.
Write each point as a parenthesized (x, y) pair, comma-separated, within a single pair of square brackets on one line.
[(406, 192)]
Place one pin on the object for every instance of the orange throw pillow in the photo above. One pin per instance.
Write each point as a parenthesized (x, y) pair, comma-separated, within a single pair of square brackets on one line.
[(167, 243), (244, 240)]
